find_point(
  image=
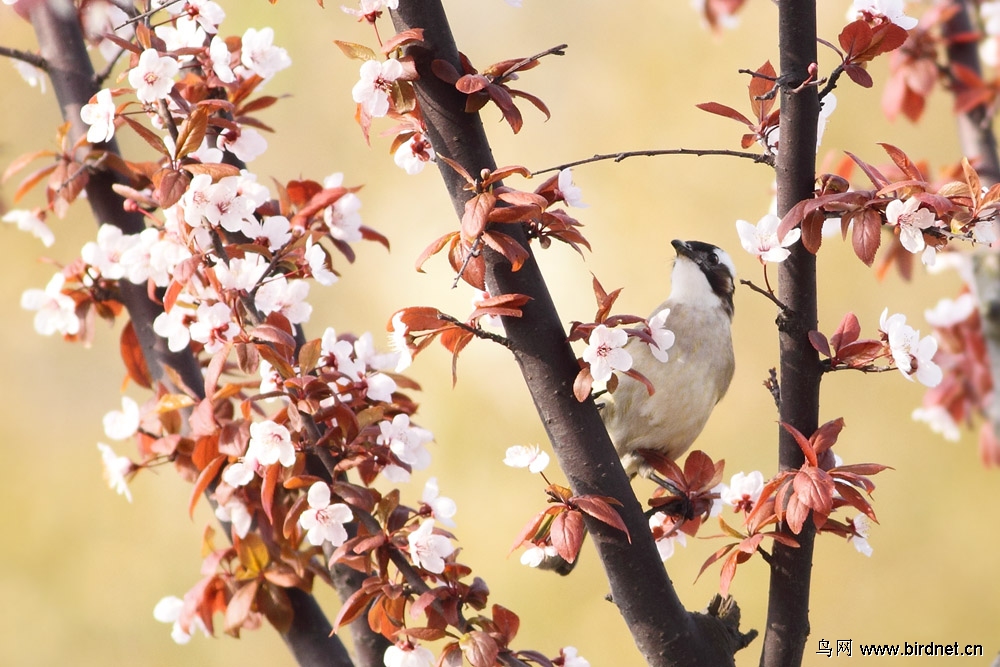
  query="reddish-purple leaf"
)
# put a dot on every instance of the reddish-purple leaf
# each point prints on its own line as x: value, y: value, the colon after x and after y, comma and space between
x: 867, y: 235
x: 725, y: 112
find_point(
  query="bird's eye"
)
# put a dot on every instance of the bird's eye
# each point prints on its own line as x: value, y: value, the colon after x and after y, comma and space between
x: 713, y: 259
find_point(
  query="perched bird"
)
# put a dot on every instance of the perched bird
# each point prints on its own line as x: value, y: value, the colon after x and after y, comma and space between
x: 698, y: 371
x: 695, y: 376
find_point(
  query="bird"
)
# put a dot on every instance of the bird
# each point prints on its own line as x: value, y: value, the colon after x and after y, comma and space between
x: 698, y: 370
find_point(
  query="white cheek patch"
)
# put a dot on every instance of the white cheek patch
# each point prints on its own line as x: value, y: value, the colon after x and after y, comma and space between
x: 726, y: 261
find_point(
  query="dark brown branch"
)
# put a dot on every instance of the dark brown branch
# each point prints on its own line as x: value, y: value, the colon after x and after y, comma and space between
x: 800, y: 371
x: 759, y: 158
x: 30, y: 58
x: 72, y: 75
x: 664, y: 632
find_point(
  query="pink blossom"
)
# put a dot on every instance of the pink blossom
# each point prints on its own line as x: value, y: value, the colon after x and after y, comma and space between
x: 604, y: 352
x: 153, y: 76
x: 323, y: 521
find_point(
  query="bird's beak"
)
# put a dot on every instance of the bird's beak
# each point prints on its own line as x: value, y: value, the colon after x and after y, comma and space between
x: 683, y: 249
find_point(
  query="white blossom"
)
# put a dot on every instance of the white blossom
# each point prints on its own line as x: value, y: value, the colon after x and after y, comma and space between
x: 524, y: 456
x: 29, y: 221
x: 323, y: 521
x: 762, y: 239
x: 100, y: 116
x: 259, y: 54
x: 56, y: 312
x: 604, y: 352
x: 429, y: 550
x: 663, y: 338
x: 571, y: 194
x: 116, y: 469
x: 911, y: 220
x: 153, y: 76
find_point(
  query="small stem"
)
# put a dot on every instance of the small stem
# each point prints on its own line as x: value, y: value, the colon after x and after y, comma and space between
x: 476, y: 331
x: 759, y: 158
x: 473, y: 252
x: 143, y: 15
x: 769, y: 293
x: 555, y: 50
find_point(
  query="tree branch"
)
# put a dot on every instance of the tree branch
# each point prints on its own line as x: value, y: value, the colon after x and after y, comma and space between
x: 759, y: 158
x: 72, y: 74
x: 800, y: 371
x: 30, y: 58
x: 664, y: 632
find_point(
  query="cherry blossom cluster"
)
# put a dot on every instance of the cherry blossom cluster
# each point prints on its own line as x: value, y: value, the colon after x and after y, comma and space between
x: 688, y: 495
x: 284, y: 435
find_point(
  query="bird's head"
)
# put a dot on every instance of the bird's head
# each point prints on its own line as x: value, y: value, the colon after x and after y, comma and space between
x: 703, y: 274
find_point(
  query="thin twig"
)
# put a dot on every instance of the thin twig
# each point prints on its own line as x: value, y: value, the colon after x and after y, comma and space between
x: 473, y: 252
x: 769, y: 294
x: 759, y: 158
x: 30, y: 58
x: 476, y: 331
x: 144, y: 15
x: 555, y: 51
x: 829, y: 368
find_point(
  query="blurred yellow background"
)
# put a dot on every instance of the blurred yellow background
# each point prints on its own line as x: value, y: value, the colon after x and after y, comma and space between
x: 81, y: 569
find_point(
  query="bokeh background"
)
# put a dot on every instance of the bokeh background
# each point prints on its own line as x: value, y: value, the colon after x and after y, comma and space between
x: 81, y: 569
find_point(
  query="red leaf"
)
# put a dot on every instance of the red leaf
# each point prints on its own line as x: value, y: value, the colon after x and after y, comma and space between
x: 760, y: 87
x: 803, y: 442
x: 860, y: 353
x: 819, y: 343
x: 867, y: 235
x: 582, y: 384
x: 134, y: 359
x: 826, y: 435
x: 148, y: 136
x: 477, y: 211
x: 352, y: 608
x: 905, y: 164
x: 725, y: 112
x: 599, y: 508
x: 700, y: 471
x: 567, y: 534
x: 267, y: 489
x: 515, y: 253
x: 480, y: 649
x: 847, y: 331
x: 814, y: 488
x: 204, y: 479
x: 871, y: 172
x: 240, y: 605
x: 855, y: 38
x: 508, y: 623
x: 402, y: 38
x: 859, y: 75
x: 434, y: 248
